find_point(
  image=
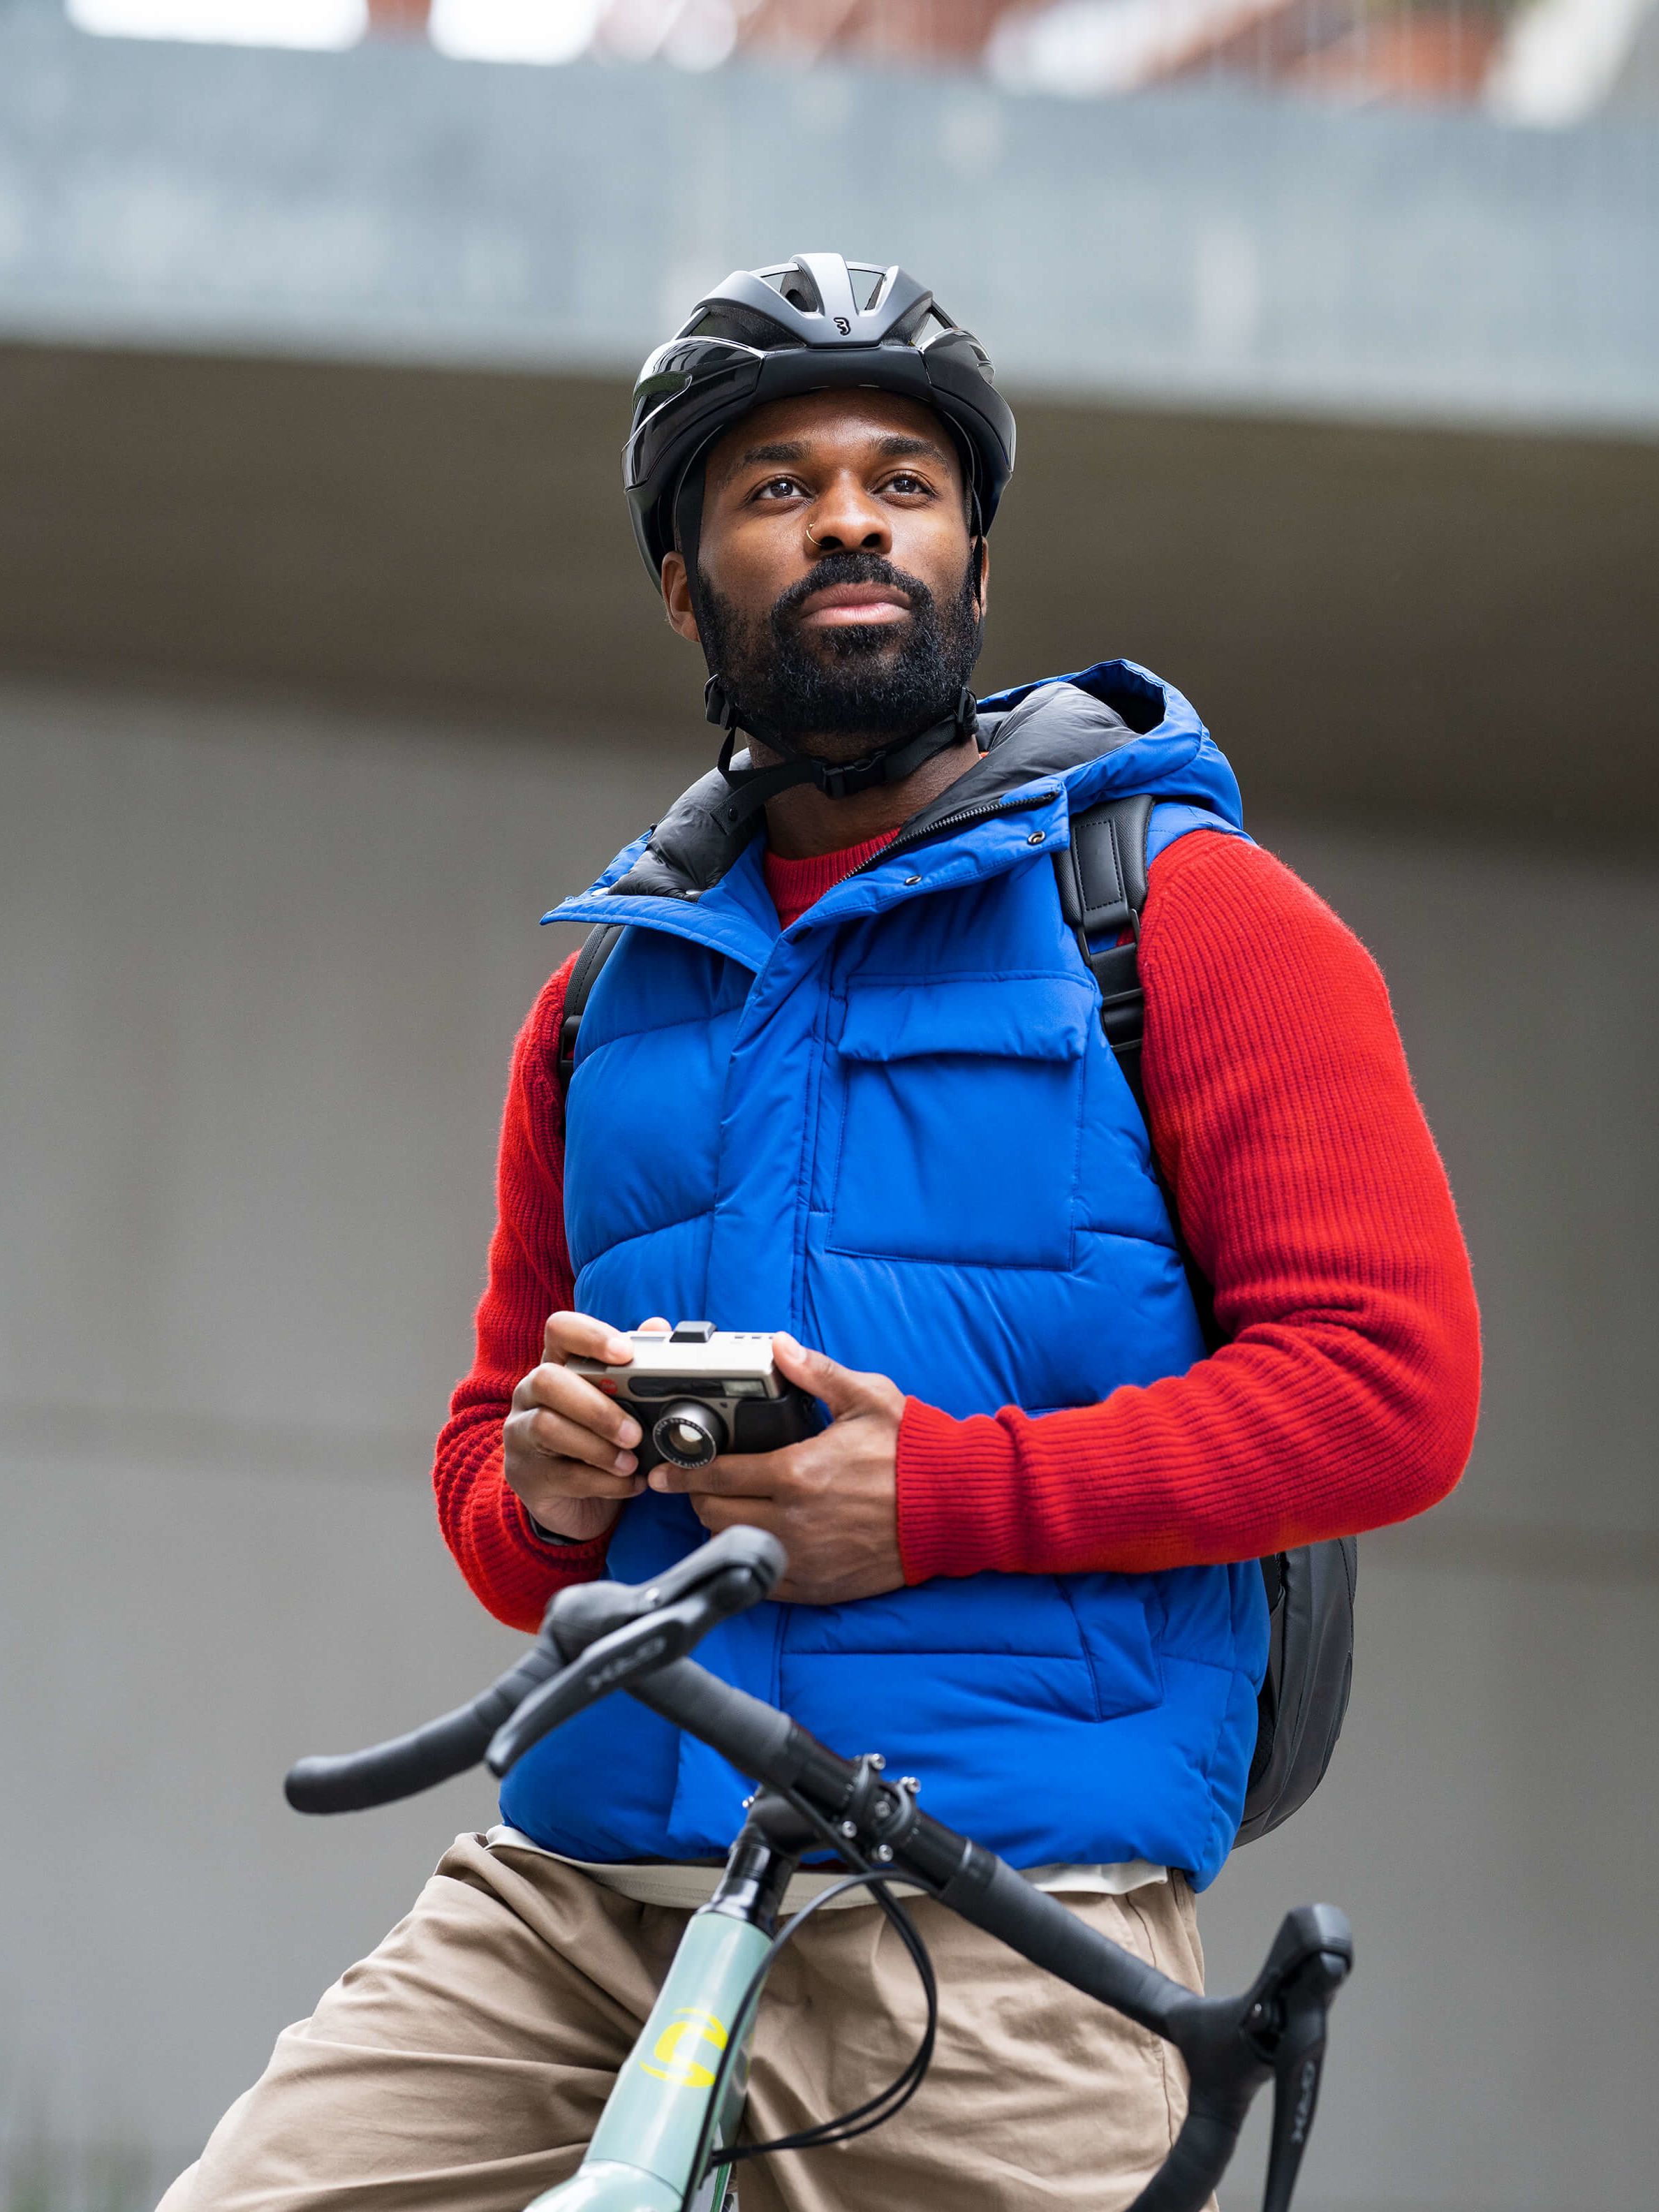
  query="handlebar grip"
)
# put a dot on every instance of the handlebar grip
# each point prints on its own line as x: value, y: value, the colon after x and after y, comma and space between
x: 733, y: 1570
x: 352, y: 1781
x: 1198, y: 2157
x: 988, y: 1891
x: 757, y: 1739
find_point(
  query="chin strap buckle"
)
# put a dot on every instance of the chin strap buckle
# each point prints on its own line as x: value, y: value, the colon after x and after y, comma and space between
x: 751, y: 787
x: 719, y: 705
x: 841, y: 779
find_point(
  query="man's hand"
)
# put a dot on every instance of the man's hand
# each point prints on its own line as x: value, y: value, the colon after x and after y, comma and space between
x: 567, y: 1448
x: 831, y: 1500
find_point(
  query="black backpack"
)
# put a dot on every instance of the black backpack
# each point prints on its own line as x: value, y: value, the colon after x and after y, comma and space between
x: 1102, y: 877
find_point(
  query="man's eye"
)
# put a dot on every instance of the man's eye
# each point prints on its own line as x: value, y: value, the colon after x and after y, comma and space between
x: 778, y: 487
x: 906, y: 482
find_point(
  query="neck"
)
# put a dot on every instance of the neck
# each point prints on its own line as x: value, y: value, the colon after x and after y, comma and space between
x: 804, y: 822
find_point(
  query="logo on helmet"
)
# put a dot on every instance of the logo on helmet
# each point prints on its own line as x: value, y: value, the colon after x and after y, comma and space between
x: 844, y: 326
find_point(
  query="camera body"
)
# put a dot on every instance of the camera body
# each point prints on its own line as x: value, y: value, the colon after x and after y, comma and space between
x: 697, y: 1391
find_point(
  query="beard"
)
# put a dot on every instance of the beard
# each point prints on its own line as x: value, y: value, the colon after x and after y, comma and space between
x: 852, y: 685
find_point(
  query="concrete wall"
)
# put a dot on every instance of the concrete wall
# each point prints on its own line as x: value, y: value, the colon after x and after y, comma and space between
x: 262, y: 972
x: 1202, y: 245
x: 1429, y: 624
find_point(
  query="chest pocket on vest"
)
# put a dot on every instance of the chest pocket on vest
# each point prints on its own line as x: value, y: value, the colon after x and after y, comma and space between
x: 961, y: 1113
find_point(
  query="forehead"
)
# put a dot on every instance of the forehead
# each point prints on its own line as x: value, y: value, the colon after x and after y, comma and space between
x: 831, y: 429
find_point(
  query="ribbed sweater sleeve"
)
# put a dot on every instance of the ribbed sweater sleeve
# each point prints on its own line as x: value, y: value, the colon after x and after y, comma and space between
x: 510, y: 1570
x: 1310, y: 1191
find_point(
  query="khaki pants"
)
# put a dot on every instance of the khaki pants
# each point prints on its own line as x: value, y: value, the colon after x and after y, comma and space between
x: 462, y: 2066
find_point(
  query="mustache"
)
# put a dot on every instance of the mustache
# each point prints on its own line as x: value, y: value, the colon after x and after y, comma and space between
x: 833, y: 569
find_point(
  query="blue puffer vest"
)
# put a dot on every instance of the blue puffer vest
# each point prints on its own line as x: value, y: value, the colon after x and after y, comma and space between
x: 895, y: 1129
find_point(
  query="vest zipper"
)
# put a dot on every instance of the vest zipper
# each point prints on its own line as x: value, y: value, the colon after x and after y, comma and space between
x: 953, y: 822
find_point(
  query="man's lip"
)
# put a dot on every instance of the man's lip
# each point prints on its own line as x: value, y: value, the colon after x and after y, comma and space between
x: 839, y: 603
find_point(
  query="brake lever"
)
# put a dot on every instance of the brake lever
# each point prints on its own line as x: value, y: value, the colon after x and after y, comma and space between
x: 622, y: 1657
x: 581, y: 1614
x: 1296, y: 2096
x: 670, y: 1616
x: 1286, y: 2018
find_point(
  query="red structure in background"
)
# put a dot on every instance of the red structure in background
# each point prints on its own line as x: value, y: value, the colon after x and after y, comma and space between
x: 1413, y: 54
x: 407, y: 17
x: 954, y: 31
x: 1350, y: 50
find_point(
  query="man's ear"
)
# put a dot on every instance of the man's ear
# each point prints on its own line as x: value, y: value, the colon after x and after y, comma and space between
x: 677, y: 596
x: 984, y: 551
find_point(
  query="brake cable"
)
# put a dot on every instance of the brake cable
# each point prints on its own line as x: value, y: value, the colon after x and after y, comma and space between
x: 876, y: 2110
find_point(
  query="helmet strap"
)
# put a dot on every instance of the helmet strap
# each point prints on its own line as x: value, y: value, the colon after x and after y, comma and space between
x: 687, y: 522
x: 751, y: 787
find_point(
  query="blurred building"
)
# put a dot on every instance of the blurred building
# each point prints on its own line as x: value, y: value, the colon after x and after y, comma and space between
x: 325, y: 664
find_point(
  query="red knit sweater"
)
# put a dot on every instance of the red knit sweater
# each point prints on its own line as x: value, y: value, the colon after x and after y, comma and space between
x: 1312, y: 1193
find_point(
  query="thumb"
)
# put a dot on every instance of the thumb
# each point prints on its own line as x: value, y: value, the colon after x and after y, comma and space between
x: 841, y: 1389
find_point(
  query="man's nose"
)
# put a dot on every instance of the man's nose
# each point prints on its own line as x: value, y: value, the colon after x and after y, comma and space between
x: 845, y: 518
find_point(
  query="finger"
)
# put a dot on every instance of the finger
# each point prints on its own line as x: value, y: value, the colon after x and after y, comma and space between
x: 577, y: 1400
x: 533, y: 1472
x: 556, y: 1437
x: 567, y: 1479
x: 586, y: 1338
x: 841, y: 1389
x: 735, y: 1474
x: 655, y: 1321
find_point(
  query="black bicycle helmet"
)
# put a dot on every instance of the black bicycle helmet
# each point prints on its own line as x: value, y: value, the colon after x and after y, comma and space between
x: 814, y: 323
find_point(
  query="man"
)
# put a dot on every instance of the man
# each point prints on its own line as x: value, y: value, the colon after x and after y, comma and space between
x: 843, y: 1076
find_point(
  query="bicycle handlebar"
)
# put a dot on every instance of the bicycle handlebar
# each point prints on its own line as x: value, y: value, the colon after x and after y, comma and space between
x: 600, y: 1636
x: 354, y: 1780
x: 1232, y: 2046
x: 594, y: 1639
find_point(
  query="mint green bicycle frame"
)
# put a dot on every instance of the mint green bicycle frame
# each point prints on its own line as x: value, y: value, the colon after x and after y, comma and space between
x: 639, y: 2159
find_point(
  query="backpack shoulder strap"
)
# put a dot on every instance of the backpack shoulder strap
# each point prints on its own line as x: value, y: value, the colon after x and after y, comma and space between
x: 597, y: 946
x: 1309, y: 1591
x: 1101, y: 876
x: 1103, y: 888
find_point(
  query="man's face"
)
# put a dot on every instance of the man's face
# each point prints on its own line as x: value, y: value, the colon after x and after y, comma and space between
x: 840, y: 595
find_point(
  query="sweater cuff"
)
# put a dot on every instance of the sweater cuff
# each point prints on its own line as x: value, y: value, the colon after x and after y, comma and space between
x: 958, y: 1485
x: 569, y: 1554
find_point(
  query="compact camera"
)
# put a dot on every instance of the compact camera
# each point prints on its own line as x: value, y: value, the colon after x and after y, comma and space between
x: 697, y: 1391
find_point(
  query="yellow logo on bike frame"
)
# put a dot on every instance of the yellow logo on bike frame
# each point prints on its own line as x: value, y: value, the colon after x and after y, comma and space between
x: 674, y: 2047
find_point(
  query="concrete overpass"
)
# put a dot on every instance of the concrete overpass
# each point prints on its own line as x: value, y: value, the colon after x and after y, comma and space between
x: 324, y: 664
x: 314, y: 373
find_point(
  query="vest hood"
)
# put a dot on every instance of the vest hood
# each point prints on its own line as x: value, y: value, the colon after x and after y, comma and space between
x: 1103, y: 732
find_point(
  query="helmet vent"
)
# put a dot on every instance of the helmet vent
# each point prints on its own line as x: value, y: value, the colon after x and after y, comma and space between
x: 800, y: 293
x: 744, y: 326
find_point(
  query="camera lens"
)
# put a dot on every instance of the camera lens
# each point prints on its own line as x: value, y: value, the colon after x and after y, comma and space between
x: 688, y: 1433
